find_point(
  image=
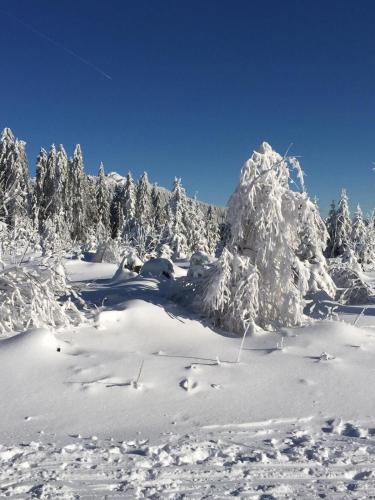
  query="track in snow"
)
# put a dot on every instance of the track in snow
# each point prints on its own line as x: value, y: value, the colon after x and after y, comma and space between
x: 265, y: 460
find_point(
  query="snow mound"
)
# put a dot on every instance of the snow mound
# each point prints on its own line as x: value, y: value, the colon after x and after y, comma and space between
x: 32, y: 343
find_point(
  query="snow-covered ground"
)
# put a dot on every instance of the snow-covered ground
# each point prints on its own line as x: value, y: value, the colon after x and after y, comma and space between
x: 147, y: 400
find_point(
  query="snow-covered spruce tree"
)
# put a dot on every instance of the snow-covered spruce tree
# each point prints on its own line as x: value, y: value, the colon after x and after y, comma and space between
x: 370, y: 229
x: 143, y: 208
x: 117, y: 211
x: 94, y: 232
x: 260, y: 271
x: 313, y: 237
x: 158, y: 212
x: 212, y: 231
x: 50, y: 186
x: 102, y: 200
x: 193, y: 219
x: 138, y: 231
x: 224, y: 237
x: 51, y: 191
x: 54, y: 235
x: 331, y: 224
x: 128, y: 204
x: 342, y: 235
x: 14, y: 182
x: 39, y: 202
x: 360, y: 237
x: 62, y: 169
x: 78, y: 191
x: 174, y: 234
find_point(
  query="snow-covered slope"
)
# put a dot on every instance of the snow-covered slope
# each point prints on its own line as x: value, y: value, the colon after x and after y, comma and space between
x: 149, y: 401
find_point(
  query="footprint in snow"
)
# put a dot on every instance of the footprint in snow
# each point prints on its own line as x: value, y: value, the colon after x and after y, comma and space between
x: 188, y: 384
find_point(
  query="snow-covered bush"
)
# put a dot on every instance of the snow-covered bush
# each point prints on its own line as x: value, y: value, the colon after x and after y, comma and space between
x: 157, y: 268
x: 30, y: 297
x: 351, y: 287
x: 108, y: 251
x: 275, y: 252
x: 129, y: 264
x: 231, y: 292
x: 164, y: 251
x: 199, y: 263
x: 131, y: 261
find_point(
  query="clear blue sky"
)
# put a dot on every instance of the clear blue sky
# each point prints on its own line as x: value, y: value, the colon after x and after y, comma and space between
x: 195, y: 86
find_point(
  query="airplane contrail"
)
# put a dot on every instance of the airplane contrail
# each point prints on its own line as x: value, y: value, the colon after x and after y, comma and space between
x: 58, y: 44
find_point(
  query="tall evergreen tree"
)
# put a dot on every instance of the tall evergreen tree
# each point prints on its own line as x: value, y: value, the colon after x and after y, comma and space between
x: 14, y: 182
x: 158, y: 212
x: 78, y: 191
x: 175, y: 229
x: 129, y: 203
x: 62, y: 171
x: 39, y: 203
x: 102, y: 200
x: 143, y: 202
x: 342, y: 240
x: 331, y: 224
x: 117, y: 211
x: 360, y: 236
x: 50, y: 186
x: 212, y: 231
x: 194, y: 224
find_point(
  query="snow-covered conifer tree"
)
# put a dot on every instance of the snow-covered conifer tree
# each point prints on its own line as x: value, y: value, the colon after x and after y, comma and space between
x: 78, y: 194
x: 102, y: 199
x: 143, y: 202
x: 331, y: 224
x: 158, y: 212
x: 117, y: 211
x: 175, y: 229
x: 50, y: 186
x: 360, y: 237
x: 313, y: 236
x: 264, y: 275
x: 41, y: 169
x: 342, y: 235
x: 129, y: 203
x: 194, y: 223
x: 14, y: 183
x: 62, y: 170
x: 212, y: 231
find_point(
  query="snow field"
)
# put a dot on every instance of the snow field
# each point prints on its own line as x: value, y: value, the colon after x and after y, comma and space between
x: 149, y: 402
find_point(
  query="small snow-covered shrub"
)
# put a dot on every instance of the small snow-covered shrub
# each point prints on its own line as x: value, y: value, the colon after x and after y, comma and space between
x: 131, y: 261
x: 129, y: 264
x: 358, y: 294
x: 29, y: 297
x: 200, y: 259
x: 157, y: 268
x: 199, y: 263
x: 230, y: 292
x: 107, y: 251
x: 164, y: 251
x: 343, y: 276
x: 351, y: 288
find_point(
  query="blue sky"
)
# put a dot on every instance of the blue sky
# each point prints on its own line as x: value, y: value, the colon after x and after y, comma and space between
x: 195, y: 86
